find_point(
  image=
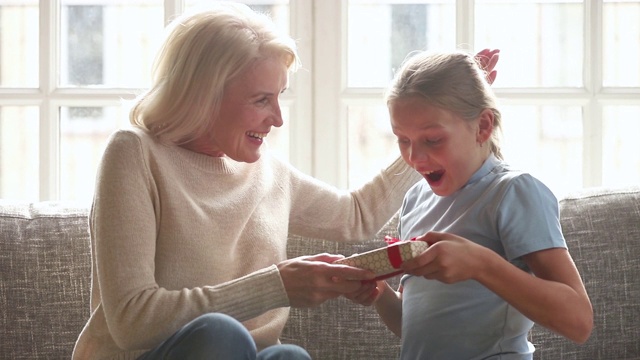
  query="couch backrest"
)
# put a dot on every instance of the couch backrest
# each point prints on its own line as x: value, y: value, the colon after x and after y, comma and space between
x: 602, y: 229
x: 45, y: 283
x: 44, y: 279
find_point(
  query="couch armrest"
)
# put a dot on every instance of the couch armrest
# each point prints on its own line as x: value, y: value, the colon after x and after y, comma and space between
x: 45, y: 270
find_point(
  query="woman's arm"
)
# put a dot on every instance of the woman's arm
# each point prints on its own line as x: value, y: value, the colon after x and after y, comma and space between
x: 320, y: 210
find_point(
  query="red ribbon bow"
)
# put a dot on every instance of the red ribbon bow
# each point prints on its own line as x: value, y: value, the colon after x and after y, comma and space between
x: 393, y: 252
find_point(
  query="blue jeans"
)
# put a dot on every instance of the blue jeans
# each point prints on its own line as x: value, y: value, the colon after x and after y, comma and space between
x: 219, y: 336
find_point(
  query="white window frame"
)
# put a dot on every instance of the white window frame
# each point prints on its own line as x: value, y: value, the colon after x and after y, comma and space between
x: 319, y: 95
x: 332, y: 99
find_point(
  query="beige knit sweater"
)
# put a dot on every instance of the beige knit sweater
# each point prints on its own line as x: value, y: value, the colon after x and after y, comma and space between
x: 176, y: 234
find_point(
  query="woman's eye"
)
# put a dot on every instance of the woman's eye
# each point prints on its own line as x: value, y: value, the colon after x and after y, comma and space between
x: 433, y: 141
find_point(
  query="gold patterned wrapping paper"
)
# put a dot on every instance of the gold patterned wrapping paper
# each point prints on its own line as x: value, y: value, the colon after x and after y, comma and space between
x: 385, y: 261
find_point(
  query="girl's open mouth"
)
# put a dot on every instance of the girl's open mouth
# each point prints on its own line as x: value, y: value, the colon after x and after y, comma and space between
x: 434, y: 176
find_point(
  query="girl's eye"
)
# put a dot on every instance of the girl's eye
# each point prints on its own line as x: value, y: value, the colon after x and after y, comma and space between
x: 432, y: 141
x: 403, y: 141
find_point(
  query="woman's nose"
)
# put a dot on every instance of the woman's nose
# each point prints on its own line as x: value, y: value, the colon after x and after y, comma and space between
x: 277, y: 117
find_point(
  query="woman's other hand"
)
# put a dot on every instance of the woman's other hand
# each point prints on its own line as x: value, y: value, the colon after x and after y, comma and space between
x: 488, y: 59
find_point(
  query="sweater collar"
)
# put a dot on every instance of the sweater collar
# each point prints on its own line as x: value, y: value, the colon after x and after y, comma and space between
x: 216, y: 165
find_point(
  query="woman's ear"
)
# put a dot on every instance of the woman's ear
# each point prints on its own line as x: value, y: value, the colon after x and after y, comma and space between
x: 485, y: 125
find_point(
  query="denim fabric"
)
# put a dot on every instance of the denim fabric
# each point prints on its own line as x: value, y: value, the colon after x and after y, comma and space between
x: 219, y: 336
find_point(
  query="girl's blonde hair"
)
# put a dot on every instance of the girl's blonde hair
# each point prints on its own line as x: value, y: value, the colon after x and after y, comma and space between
x: 201, y: 54
x: 452, y: 81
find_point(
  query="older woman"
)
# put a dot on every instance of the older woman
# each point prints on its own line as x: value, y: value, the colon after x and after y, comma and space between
x: 191, y: 212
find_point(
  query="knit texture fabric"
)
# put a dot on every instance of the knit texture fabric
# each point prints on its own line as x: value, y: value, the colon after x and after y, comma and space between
x: 176, y: 234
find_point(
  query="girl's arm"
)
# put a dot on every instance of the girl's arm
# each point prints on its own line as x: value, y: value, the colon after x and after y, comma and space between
x: 554, y: 298
x: 389, y: 307
x: 388, y: 302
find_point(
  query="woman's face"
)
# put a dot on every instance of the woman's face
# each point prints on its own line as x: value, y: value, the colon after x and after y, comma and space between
x: 250, y: 108
x: 443, y: 147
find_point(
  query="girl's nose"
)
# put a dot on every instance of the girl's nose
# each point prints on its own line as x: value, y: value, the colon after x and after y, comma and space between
x: 416, y: 155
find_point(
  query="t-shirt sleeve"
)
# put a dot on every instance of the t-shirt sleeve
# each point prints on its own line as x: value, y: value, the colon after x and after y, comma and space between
x: 528, y: 219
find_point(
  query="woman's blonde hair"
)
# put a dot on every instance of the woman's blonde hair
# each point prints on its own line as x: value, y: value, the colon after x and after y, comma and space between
x: 201, y: 54
x: 453, y: 81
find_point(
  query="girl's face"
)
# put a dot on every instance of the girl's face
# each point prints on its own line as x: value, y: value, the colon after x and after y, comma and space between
x: 250, y: 107
x: 446, y: 149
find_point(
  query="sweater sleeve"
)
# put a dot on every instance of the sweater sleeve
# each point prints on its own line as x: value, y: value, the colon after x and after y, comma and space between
x: 323, y: 211
x: 124, y: 223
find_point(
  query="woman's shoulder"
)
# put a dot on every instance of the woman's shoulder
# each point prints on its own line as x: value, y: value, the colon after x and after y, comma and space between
x: 131, y: 138
x: 131, y: 133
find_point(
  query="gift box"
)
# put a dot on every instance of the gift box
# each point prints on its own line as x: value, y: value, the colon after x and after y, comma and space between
x: 386, y: 261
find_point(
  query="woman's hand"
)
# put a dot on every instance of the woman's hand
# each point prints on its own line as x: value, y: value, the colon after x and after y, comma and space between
x: 312, y: 280
x: 488, y: 59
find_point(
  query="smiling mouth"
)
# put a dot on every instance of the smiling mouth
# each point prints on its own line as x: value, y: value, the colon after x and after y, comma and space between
x: 256, y: 135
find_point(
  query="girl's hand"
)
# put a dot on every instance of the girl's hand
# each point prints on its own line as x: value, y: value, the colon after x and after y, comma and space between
x: 449, y: 259
x: 368, y: 294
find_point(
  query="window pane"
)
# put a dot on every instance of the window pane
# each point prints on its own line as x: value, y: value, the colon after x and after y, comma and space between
x: 621, y: 53
x: 381, y: 35
x: 545, y: 141
x: 278, y: 10
x: 109, y: 42
x: 19, y: 152
x: 84, y: 132
x: 19, y: 27
x: 372, y: 146
x: 541, y: 41
x: 621, y: 148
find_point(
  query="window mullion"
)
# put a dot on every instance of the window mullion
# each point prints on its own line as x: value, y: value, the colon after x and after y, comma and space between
x: 465, y: 23
x: 330, y: 158
x: 49, y: 170
x: 592, y: 121
x: 172, y: 8
x: 300, y: 125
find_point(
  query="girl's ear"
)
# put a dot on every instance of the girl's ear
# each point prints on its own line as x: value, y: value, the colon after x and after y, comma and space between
x: 485, y: 126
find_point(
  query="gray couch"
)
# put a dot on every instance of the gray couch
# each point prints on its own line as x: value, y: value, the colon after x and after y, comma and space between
x: 45, y: 267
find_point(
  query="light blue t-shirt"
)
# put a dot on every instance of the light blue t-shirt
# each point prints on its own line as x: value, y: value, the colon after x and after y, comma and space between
x: 507, y: 211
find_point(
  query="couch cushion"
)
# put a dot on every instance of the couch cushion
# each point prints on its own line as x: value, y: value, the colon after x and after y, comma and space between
x: 602, y: 228
x: 45, y: 274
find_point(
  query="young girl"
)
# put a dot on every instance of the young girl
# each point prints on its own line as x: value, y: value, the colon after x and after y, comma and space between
x: 498, y: 261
